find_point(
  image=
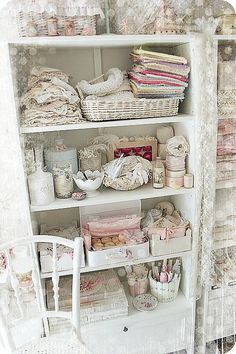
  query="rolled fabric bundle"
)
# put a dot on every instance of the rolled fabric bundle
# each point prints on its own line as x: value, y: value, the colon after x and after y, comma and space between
x: 113, y: 80
x: 162, y: 151
x: 164, y: 133
x: 177, y: 146
x: 175, y: 163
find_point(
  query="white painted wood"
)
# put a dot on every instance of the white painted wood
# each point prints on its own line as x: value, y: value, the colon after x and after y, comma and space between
x: 114, y: 51
x: 14, y: 216
x: 225, y: 37
x: 112, y: 40
x: 97, y: 62
x: 76, y: 245
x: 168, y: 326
x: 77, y: 257
x: 118, y: 265
x: 55, y: 277
x: 111, y: 196
x: 14, y: 283
x: 118, y: 123
x: 225, y: 184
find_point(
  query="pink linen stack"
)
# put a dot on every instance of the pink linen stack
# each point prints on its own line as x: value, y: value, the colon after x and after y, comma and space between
x: 226, y: 150
x: 158, y: 75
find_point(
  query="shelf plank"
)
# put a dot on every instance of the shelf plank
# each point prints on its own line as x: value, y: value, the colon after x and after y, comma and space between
x: 110, y: 196
x: 104, y: 40
x: 225, y: 37
x: 109, y: 124
x: 142, y: 329
x: 226, y: 184
x: 223, y: 244
x: 88, y: 269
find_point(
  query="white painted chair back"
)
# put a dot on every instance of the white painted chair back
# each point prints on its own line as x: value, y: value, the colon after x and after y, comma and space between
x: 31, y: 243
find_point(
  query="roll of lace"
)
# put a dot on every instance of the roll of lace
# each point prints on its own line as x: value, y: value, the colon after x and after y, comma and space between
x: 177, y: 146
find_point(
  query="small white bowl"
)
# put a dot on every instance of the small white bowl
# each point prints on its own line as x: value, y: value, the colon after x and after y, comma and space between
x: 91, y: 184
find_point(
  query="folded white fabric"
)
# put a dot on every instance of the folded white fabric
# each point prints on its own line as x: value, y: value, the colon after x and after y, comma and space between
x: 113, y: 80
x: 119, y: 96
x: 162, y: 151
x: 164, y: 133
x: 49, y: 99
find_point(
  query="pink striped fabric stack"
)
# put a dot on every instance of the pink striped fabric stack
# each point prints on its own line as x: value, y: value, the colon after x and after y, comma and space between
x: 158, y: 75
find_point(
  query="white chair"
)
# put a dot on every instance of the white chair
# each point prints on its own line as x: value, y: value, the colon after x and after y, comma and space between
x: 47, y: 344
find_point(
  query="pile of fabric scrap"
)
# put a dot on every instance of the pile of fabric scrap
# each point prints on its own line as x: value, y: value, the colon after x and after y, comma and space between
x: 49, y: 99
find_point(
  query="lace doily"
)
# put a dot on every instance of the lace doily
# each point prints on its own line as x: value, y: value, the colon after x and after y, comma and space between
x: 57, y: 7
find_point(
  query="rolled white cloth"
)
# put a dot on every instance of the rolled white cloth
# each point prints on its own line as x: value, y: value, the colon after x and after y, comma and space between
x: 113, y: 80
x: 162, y: 151
x: 164, y: 133
x: 177, y: 146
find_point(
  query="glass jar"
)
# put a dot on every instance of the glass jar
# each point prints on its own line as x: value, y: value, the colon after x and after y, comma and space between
x: 63, y: 181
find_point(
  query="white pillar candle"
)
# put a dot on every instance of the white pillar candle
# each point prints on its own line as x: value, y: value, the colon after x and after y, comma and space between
x: 188, y: 180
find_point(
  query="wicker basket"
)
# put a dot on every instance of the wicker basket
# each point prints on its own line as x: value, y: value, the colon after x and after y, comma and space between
x: 164, y: 292
x: 97, y: 110
x: 40, y: 21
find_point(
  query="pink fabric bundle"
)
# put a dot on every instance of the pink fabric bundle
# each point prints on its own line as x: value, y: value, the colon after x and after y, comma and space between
x: 226, y: 150
x: 227, y: 126
x: 108, y: 226
x: 226, y: 144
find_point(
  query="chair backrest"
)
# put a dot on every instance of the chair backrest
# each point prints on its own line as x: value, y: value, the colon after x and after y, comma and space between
x: 6, y: 251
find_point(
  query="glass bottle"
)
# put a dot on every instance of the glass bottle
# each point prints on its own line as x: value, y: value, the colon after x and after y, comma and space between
x: 22, y: 266
x: 158, y: 174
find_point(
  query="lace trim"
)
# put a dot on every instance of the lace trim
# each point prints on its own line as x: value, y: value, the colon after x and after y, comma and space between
x: 57, y: 7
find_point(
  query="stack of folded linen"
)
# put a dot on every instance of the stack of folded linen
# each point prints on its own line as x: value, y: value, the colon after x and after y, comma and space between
x: 226, y: 151
x: 49, y: 99
x: 101, y: 296
x: 158, y: 75
x: 225, y: 217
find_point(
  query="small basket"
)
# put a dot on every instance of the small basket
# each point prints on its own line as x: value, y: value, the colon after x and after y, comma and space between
x: 97, y: 110
x: 40, y: 21
x: 164, y: 292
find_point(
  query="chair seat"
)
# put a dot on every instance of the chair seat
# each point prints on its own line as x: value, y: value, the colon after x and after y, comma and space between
x: 52, y: 346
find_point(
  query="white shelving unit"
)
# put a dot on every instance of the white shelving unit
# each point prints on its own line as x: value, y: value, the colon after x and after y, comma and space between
x: 85, y: 58
x: 221, y: 302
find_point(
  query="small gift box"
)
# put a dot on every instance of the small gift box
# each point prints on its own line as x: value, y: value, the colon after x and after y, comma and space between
x: 143, y: 147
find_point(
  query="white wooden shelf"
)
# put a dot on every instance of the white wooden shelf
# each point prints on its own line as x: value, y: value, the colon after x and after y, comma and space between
x: 223, y: 244
x: 226, y: 184
x: 225, y: 37
x: 146, y: 331
x: 110, y: 196
x: 105, y: 40
x: 88, y: 269
x: 180, y: 118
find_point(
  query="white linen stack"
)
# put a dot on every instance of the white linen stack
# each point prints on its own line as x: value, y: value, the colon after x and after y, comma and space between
x: 49, y: 99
